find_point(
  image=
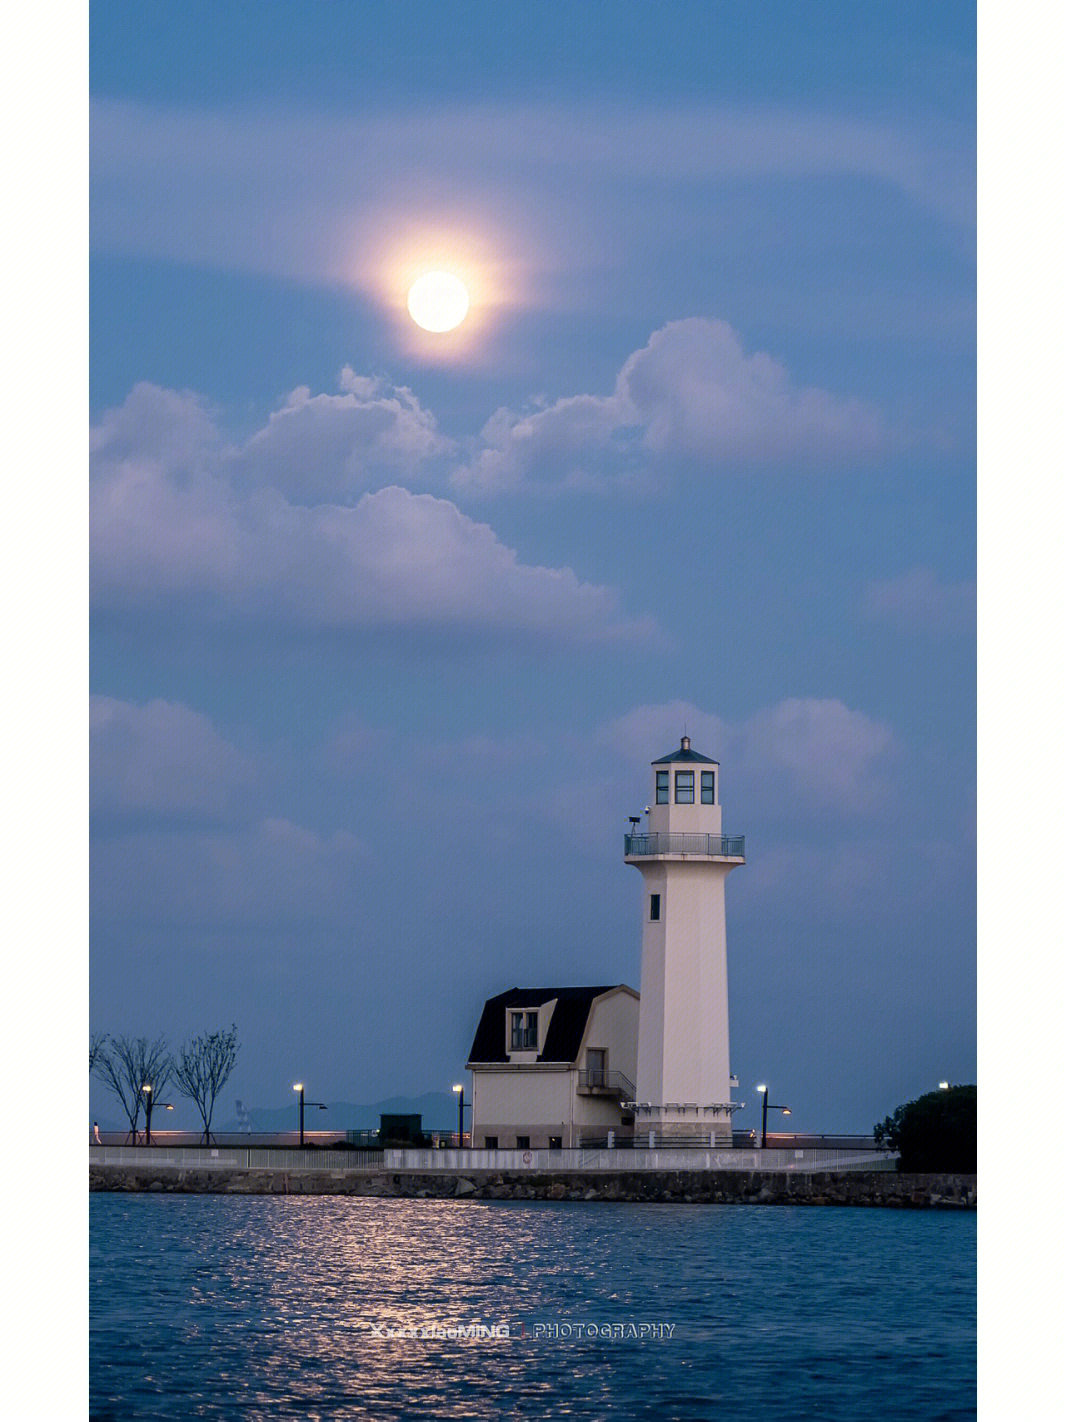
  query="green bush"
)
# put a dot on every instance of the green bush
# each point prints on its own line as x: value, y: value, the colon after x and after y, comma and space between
x: 936, y: 1133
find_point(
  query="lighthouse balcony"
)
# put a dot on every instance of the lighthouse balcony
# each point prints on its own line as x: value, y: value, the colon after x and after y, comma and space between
x: 596, y: 1082
x: 728, y: 847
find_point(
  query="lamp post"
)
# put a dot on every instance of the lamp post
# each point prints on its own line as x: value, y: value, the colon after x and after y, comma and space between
x: 298, y: 1087
x: 149, y: 1097
x: 768, y: 1105
x: 460, y: 1091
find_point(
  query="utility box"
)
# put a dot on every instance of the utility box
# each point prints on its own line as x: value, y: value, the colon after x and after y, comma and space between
x: 397, y: 1130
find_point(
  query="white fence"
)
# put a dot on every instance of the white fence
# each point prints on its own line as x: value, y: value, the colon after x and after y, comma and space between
x: 447, y: 1162
x: 234, y: 1158
x: 620, y: 1158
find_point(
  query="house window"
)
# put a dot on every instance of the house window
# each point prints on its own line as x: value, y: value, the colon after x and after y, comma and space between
x: 685, y: 787
x: 706, y: 787
x: 523, y: 1031
x: 492, y: 1142
x: 555, y: 1142
x: 662, y: 787
x: 654, y: 908
x: 521, y: 1142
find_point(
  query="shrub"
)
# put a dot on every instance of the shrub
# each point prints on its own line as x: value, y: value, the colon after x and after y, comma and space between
x: 936, y: 1133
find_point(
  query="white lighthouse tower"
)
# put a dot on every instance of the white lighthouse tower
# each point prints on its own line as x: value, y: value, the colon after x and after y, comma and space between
x: 683, y: 1076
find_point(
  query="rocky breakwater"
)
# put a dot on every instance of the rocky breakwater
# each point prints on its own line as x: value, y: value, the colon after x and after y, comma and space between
x: 875, y: 1188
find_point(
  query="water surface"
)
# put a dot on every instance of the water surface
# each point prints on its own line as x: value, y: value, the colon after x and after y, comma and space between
x: 274, y: 1307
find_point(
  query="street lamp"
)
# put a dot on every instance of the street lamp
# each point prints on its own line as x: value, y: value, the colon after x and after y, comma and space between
x: 149, y: 1097
x: 298, y: 1087
x: 768, y: 1105
x: 460, y: 1091
x: 945, y: 1086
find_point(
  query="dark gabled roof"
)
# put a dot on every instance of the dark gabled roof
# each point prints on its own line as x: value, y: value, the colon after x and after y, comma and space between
x: 565, y: 1030
x: 684, y: 754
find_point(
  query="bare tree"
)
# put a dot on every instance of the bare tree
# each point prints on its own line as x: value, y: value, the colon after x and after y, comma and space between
x: 202, y: 1069
x: 97, y: 1044
x: 126, y: 1065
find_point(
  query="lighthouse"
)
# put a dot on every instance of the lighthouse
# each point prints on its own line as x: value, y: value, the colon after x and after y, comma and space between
x: 683, y: 1075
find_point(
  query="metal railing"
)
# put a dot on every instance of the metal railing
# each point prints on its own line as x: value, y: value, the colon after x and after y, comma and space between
x: 717, y: 846
x: 274, y: 1140
x: 792, y: 1140
x: 596, y: 1079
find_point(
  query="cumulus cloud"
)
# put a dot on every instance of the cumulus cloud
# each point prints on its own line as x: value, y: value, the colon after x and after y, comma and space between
x: 692, y: 394
x: 327, y: 448
x: 172, y: 527
x: 918, y: 600
x: 162, y: 761
x: 820, y: 750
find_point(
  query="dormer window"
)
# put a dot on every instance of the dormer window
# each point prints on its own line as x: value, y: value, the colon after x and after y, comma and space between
x: 706, y: 787
x: 523, y: 1031
x: 685, y: 787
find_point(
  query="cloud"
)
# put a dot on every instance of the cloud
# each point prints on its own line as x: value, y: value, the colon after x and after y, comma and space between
x: 162, y: 762
x: 820, y: 751
x: 691, y: 394
x: 308, y: 196
x: 917, y: 600
x: 271, y: 873
x: 327, y: 448
x: 173, y: 528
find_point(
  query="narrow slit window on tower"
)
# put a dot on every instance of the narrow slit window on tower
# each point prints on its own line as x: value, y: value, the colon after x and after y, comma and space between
x: 662, y: 787
x: 654, y: 909
x: 706, y: 787
x: 685, y: 787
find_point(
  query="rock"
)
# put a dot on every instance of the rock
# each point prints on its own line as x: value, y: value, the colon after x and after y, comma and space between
x: 464, y: 1186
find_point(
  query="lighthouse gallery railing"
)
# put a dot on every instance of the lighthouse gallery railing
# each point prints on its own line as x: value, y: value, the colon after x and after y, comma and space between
x: 723, y: 846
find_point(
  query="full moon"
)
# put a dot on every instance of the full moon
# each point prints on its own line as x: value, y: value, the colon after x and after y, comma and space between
x: 438, y: 301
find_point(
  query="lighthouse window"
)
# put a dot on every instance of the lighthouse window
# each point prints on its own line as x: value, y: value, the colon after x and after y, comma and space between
x: 662, y: 787
x: 653, y: 912
x: 706, y: 787
x: 685, y: 787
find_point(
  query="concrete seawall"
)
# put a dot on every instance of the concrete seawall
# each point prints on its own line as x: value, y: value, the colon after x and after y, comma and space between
x: 875, y: 1188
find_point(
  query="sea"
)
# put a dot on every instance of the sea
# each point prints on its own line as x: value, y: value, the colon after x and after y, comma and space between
x: 212, y: 1306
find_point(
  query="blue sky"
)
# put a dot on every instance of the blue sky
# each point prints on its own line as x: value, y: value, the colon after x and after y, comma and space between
x: 386, y: 631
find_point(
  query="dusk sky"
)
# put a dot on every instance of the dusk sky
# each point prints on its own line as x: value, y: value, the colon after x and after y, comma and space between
x: 388, y: 626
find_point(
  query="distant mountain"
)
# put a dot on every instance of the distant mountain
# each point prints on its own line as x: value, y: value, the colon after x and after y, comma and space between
x: 437, y: 1108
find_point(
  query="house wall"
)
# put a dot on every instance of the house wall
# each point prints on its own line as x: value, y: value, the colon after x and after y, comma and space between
x: 539, y: 1103
x: 612, y: 1026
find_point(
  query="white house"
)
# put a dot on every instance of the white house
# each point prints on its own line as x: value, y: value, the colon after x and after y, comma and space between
x: 551, y: 1066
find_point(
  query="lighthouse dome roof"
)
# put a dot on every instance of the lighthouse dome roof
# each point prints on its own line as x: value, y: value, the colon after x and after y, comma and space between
x: 684, y: 753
